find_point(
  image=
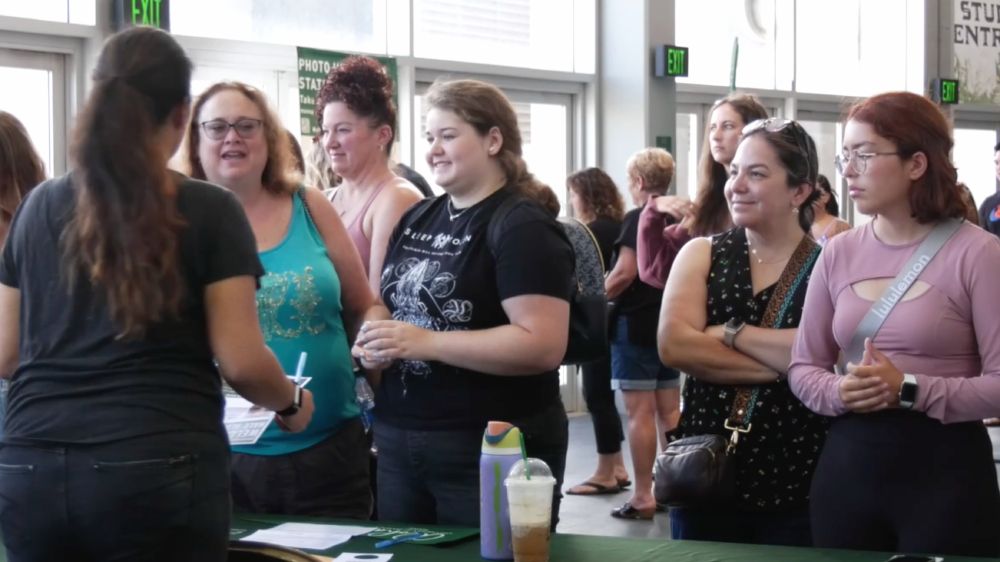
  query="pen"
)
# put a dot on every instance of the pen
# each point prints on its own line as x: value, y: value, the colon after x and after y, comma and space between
x: 300, y: 368
x: 399, y: 539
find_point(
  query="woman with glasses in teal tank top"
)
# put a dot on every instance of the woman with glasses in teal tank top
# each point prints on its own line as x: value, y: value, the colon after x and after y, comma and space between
x: 310, y: 300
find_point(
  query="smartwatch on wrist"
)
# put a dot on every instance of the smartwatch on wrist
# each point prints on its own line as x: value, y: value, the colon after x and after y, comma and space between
x: 908, y: 392
x: 296, y: 404
x: 730, y: 330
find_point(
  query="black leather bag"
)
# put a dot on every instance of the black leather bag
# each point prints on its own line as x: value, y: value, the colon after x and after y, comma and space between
x: 694, y: 470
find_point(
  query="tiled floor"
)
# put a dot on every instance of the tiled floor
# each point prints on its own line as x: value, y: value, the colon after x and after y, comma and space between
x: 591, y: 515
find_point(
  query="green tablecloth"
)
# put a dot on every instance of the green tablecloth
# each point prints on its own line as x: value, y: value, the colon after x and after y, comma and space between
x: 587, y: 548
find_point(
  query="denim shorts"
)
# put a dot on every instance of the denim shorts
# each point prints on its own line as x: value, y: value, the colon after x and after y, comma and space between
x: 637, y: 367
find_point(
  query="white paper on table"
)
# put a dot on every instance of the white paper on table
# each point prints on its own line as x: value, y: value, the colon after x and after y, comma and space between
x: 313, y: 536
x: 245, y: 422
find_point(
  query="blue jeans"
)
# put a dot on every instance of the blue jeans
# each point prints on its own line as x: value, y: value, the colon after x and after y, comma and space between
x: 730, y: 524
x: 433, y: 476
x: 162, y: 497
x: 638, y: 367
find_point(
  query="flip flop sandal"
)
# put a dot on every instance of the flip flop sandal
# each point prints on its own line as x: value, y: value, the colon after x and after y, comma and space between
x: 596, y: 488
x: 626, y: 511
x: 624, y: 483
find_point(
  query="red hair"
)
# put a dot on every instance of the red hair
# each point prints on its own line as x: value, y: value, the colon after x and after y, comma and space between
x: 915, y: 125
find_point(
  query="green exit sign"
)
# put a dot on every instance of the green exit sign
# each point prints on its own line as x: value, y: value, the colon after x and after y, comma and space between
x: 671, y: 60
x: 944, y: 90
x: 130, y: 13
x: 677, y: 61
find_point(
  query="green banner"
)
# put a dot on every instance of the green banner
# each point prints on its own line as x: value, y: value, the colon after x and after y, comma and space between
x: 314, y: 65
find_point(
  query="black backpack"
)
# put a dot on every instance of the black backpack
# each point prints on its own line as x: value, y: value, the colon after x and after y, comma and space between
x: 588, y: 306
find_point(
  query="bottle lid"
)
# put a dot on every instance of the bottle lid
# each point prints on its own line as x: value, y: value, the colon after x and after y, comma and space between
x: 534, y: 470
x: 501, y: 438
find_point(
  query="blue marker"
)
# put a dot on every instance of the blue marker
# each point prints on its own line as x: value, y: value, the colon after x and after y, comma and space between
x: 399, y: 539
x: 300, y: 368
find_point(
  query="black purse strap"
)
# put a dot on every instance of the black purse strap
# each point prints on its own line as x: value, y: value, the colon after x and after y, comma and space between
x: 791, y: 278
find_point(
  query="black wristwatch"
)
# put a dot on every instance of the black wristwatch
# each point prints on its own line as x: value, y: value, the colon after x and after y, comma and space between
x: 296, y: 404
x: 908, y: 392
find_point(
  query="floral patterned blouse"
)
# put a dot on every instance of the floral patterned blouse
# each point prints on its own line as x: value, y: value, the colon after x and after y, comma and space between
x: 775, y: 461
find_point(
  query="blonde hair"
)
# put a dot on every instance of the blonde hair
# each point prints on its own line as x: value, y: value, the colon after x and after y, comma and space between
x: 655, y: 166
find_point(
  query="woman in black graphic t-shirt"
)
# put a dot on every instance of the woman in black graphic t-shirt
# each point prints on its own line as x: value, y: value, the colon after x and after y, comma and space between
x: 472, y: 329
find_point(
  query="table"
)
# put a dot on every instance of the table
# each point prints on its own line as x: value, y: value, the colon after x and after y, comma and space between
x: 588, y: 548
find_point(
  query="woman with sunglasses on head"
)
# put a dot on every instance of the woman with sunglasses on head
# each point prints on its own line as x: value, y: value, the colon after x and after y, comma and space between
x: 358, y: 120
x: 668, y: 222
x: 908, y: 465
x: 311, y: 300
x: 729, y: 316
x: 123, y: 281
x: 827, y: 223
x: 476, y: 315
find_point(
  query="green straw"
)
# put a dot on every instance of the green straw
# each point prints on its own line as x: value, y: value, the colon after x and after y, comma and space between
x: 524, y: 455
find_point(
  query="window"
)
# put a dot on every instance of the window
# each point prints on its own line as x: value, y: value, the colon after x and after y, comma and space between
x: 550, y: 35
x: 38, y: 102
x: 82, y: 12
x: 349, y: 25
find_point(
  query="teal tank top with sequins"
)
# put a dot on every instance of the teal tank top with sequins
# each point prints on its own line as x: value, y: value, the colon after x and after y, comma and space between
x: 300, y: 310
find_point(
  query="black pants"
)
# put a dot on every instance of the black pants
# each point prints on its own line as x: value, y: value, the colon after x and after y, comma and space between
x: 432, y: 476
x: 163, y: 498
x: 329, y: 479
x: 902, y: 482
x: 600, y: 399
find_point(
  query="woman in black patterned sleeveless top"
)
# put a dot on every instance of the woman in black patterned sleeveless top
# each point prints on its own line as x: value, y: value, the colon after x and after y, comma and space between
x: 718, y: 324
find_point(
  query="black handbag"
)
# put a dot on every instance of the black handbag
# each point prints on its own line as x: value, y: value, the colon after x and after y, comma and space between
x: 694, y: 469
x: 699, y: 470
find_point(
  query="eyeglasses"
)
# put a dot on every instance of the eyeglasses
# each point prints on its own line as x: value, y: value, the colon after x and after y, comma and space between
x: 217, y: 129
x: 799, y: 135
x: 859, y: 159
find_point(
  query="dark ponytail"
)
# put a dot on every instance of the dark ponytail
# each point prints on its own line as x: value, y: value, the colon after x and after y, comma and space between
x: 123, y: 235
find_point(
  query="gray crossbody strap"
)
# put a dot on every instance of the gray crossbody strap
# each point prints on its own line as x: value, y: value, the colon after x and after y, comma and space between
x: 870, y: 324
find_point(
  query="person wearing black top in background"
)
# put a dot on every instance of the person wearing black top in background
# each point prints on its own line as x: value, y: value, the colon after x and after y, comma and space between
x: 123, y: 281
x: 596, y: 202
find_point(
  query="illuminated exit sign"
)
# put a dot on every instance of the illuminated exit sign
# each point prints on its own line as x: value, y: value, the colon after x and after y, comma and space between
x: 671, y: 60
x: 131, y: 13
x: 945, y: 91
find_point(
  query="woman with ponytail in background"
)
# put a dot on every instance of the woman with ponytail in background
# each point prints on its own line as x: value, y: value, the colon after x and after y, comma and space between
x: 474, y: 326
x: 123, y: 282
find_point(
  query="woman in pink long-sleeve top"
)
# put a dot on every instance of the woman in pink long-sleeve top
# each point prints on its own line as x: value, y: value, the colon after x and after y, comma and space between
x: 907, y: 465
x: 660, y: 236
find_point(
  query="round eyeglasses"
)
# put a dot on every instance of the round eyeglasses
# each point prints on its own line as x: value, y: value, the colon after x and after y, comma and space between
x: 860, y: 160
x: 217, y: 129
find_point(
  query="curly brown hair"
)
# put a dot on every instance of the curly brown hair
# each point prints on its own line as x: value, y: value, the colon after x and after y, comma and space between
x: 598, y: 192
x: 362, y: 84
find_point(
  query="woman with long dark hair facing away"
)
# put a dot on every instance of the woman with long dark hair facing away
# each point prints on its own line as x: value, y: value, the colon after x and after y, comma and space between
x: 597, y: 202
x: 910, y: 299
x: 310, y: 301
x: 729, y: 317
x: 125, y: 284
x: 474, y: 325
x: 661, y: 236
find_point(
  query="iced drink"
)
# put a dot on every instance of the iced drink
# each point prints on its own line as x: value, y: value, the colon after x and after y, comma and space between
x: 530, y: 503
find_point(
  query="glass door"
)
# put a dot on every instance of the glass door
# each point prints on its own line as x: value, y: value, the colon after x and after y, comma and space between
x: 36, y: 95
